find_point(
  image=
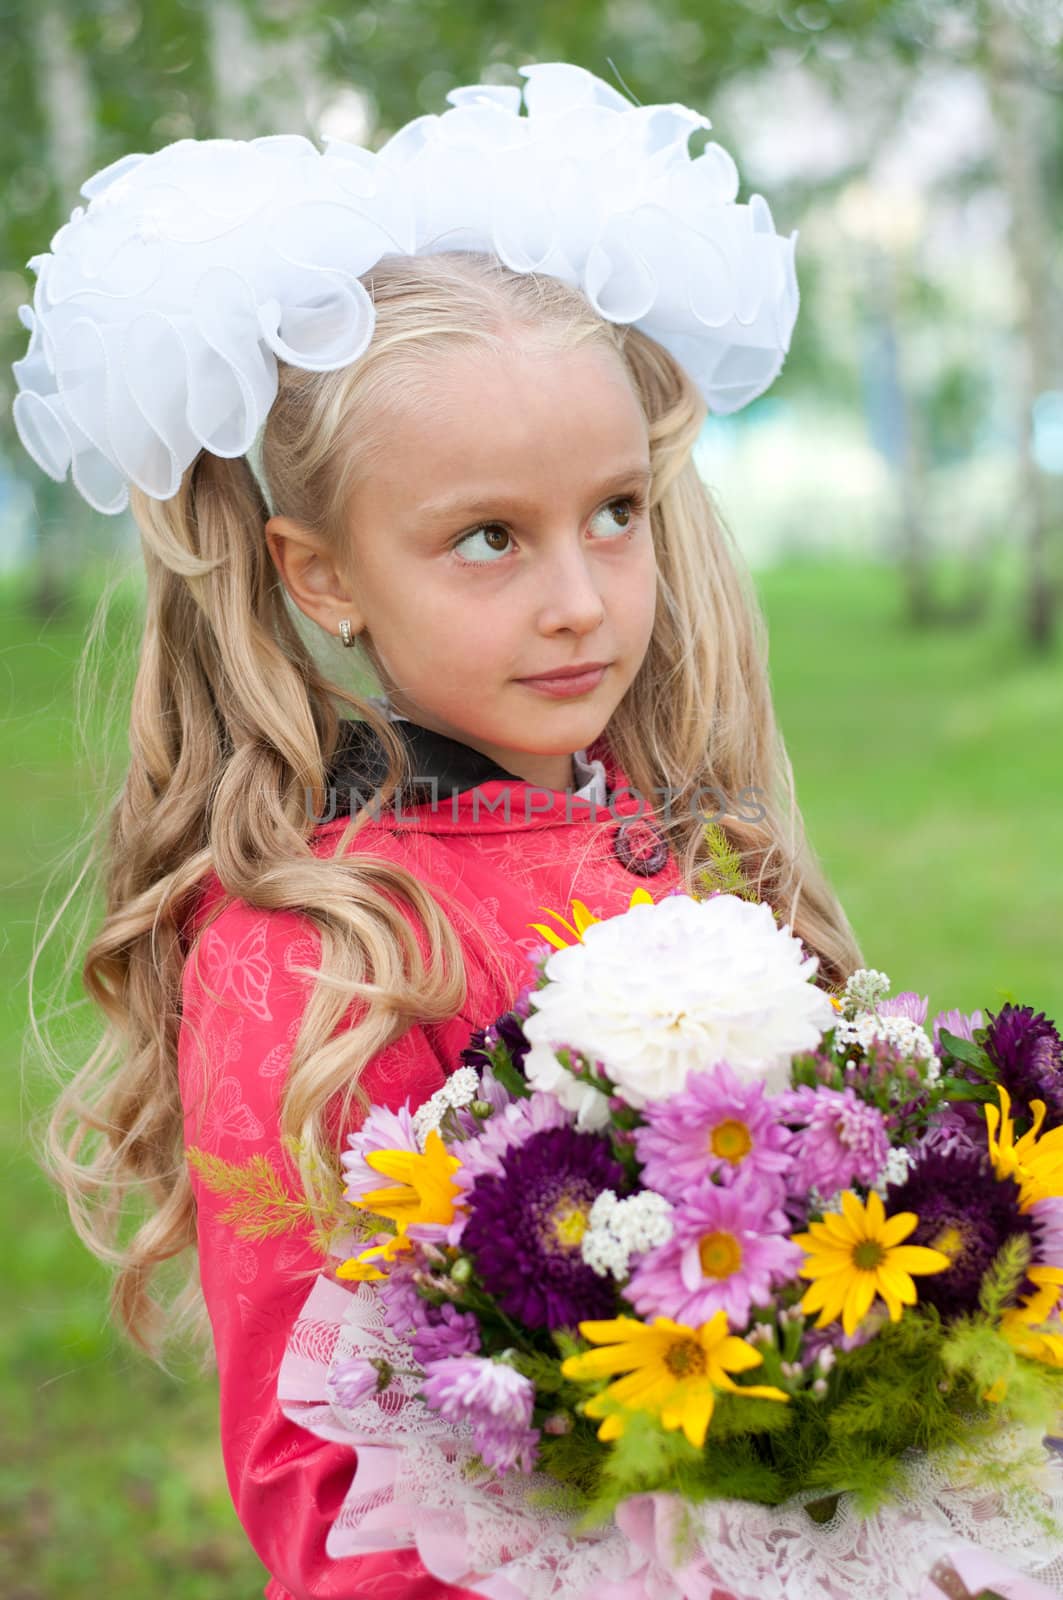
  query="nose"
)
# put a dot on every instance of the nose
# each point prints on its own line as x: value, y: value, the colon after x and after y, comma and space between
x: 572, y: 599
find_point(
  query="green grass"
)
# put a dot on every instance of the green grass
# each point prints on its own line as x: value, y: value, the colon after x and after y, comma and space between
x: 110, y: 1475
x: 928, y: 769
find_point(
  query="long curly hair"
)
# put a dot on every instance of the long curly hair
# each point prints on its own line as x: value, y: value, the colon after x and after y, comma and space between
x: 236, y: 714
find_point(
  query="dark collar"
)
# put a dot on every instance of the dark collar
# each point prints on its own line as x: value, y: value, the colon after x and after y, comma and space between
x: 360, y: 763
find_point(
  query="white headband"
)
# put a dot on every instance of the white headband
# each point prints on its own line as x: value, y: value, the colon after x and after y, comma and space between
x: 159, y: 315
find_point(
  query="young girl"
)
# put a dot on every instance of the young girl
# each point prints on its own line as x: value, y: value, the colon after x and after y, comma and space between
x: 320, y: 882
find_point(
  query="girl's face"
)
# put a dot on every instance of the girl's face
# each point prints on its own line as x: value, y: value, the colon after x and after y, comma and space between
x: 503, y: 533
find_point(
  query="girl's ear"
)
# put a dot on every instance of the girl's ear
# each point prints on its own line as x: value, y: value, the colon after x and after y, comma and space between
x: 309, y: 572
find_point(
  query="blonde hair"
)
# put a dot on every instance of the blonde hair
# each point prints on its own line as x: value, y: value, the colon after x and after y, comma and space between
x: 234, y: 719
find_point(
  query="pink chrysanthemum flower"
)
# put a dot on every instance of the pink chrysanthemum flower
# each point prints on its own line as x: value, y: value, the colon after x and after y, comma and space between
x: 494, y: 1399
x: 907, y: 1004
x: 353, y: 1381
x: 843, y: 1140
x: 381, y: 1130
x: 727, y: 1253
x: 717, y: 1126
x: 957, y: 1022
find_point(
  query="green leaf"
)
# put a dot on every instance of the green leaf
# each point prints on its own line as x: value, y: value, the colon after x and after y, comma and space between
x: 509, y: 1077
x: 957, y: 1089
x: 970, y: 1054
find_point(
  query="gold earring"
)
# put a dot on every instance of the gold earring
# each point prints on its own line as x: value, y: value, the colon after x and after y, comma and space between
x: 345, y: 632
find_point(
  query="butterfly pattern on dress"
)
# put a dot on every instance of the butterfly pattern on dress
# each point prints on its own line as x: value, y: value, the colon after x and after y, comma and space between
x: 229, y: 1114
x: 238, y: 1257
x: 302, y: 952
x: 275, y: 1062
x: 240, y: 968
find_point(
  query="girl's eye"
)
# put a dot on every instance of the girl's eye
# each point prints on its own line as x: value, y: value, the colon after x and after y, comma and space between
x: 494, y: 537
x: 490, y: 531
x: 629, y: 513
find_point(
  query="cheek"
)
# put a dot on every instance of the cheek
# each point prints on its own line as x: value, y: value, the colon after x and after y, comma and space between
x: 443, y: 639
x: 638, y: 601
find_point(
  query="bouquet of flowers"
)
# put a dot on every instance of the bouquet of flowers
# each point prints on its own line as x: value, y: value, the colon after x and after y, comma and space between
x: 696, y: 1279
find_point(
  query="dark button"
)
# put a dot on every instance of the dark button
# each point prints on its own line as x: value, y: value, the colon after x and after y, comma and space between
x: 640, y: 848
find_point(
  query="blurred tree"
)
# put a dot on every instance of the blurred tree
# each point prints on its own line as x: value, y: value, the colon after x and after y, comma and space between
x: 1020, y: 119
x: 85, y: 81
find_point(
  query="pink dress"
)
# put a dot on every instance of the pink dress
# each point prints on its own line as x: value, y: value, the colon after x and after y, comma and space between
x: 240, y: 1011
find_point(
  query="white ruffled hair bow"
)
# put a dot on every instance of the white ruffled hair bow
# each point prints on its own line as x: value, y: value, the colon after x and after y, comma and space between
x: 159, y: 314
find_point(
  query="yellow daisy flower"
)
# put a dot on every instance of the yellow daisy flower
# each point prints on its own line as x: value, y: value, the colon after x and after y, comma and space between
x: 1034, y: 1162
x: 424, y: 1192
x: 581, y: 920
x: 854, y: 1256
x: 673, y: 1372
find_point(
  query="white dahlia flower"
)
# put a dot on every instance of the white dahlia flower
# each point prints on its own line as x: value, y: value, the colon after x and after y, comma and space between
x: 673, y: 987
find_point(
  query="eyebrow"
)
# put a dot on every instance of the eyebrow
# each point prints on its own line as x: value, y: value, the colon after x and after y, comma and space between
x: 457, y: 506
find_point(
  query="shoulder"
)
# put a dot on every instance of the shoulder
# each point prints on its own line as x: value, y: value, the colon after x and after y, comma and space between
x: 213, y: 909
x: 250, y: 955
x: 245, y: 965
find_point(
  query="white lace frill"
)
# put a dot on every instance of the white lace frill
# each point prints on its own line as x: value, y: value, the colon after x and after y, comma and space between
x: 161, y: 310
x: 414, y: 1486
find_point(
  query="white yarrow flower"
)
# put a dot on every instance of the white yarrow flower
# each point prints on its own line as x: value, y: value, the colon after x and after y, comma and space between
x: 619, y: 1229
x: 907, y: 1036
x: 460, y: 1089
x: 898, y: 1165
x: 866, y: 987
x: 670, y: 988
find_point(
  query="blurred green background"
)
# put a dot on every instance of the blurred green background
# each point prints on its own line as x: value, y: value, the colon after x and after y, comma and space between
x: 897, y: 493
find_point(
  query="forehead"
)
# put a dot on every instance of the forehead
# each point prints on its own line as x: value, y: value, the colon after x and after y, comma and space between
x: 487, y: 417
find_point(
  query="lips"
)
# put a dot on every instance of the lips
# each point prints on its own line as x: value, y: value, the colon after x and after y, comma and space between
x: 561, y: 673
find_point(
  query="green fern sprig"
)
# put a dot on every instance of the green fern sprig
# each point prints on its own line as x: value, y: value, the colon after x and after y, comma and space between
x: 261, y: 1207
x: 724, y: 868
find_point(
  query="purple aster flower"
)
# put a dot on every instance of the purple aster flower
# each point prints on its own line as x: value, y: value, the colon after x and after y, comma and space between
x: 906, y: 1004
x: 716, y: 1127
x: 494, y: 1399
x: 967, y: 1213
x: 1048, y: 1231
x: 956, y: 1022
x: 505, y: 1131
x: 727, y: 1252
x: 475, y: 1052
x: 449, y: 1332
x: 508, y: 1128
x: 381, y: 1130
x: 433, y: 1331
x: 525, y: 1225
x: 1028, y: 1053
x: 403, y: 1307
x: 958, y: 1127
x: 506, y: 1030
x: 353, y: 1381
x: 843, y: 1140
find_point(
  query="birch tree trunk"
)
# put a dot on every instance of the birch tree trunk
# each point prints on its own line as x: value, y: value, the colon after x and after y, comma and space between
x: 1018, y: 111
